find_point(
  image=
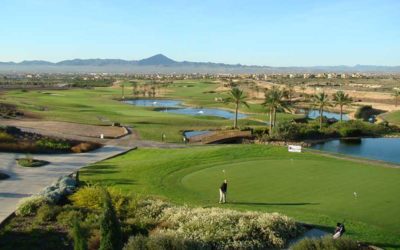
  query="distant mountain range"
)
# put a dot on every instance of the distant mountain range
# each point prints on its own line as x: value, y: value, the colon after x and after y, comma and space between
x: 162, y: 64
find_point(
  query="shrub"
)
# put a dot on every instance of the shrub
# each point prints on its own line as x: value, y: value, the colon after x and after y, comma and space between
x: 84, y: 147
x: 67, y: 217
x: 12, y: 130
x: 223, y: 228
x: 285, y: 130
x: 365, y: 112
x: 94, y: 240
x: 60, y: 188
x: 29, y: 206
x: 326, y: 243
x: 78, y: 235
x: 53, y: 144
x: 91, y: 197
x: 110, y: 230
x: 141, y: 242
x: 4, y: 137
x: 47, y: 213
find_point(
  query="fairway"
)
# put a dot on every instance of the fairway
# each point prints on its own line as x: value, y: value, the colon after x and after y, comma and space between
x: 101, y: 106
x: 309, y: 187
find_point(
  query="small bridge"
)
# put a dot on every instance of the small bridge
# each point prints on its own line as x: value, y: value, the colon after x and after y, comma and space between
x: 224, y: 136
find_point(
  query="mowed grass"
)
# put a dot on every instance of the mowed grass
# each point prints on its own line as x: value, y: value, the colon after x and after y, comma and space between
x: 309, y: 187
x: 393, y: 117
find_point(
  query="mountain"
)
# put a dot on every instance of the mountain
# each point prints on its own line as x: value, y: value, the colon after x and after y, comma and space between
x: 162, y: 64
x: 158, y: 59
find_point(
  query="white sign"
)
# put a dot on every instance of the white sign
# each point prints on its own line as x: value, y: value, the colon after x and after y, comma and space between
x: 294, y: 148
x: 101, y: 136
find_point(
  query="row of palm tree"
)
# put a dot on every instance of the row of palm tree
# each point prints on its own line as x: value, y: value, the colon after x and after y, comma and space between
x: 276, y: 100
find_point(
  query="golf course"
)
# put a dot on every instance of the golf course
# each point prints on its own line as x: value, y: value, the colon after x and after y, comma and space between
x: 311, y: 187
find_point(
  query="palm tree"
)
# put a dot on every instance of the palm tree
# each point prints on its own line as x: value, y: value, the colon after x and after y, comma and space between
x: 341, y: 99
x: 321, y: 101
x: 274, y: 100
x: 396, y: 95
x: 237, y: 97
x: 123, y: 90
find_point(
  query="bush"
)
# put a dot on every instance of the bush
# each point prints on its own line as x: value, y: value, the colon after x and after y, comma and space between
x: 91, y: 197
x: 326, y: 243
x: 4, y: 137
x: 53, y: 144
x: 285, y: 130
x: 59, y: 189
x: 228, y: 229
x: 78, y: 234
x: 84, y: 147
x: 47, y: 213
x: 29, y: 206
x: 67, y: 217
x: 141, y: 242
x: 110, y: 229
x: 365, y: 112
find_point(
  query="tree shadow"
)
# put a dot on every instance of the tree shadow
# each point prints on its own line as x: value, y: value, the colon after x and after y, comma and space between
x: 272, y: 203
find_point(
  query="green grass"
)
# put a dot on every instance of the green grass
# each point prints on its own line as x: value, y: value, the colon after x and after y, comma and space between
x: 393, y: 117
x: 309, y: 187
x: 94, y: 105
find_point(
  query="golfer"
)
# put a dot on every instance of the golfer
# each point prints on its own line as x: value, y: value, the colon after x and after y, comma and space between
x: 222, y: 192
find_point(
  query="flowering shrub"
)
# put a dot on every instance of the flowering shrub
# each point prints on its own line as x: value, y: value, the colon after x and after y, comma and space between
x: 211, y: 228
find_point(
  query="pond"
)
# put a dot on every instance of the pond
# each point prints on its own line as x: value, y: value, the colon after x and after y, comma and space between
x: 155, y: 103
x: 314, y: 113
x: 384, y: 149
x: 189, y: 134
x: 174, y: 106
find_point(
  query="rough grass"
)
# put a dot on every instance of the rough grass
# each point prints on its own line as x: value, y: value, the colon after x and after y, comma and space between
x: 311, y: 188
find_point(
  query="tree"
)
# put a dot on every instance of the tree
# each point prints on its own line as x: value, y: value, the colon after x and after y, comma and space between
x: 237, y: 97
x: 396, y: 95
x: 274, y: 100
x: 78, y: 235
x: 289, y: 92
x: 134, y: 88
x: 110, y: 229
x: 341, y: 99
x: 123, y: 91
x: 321, y: 101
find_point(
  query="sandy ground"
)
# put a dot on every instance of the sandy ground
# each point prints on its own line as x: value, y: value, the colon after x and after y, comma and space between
x: 65, y: 128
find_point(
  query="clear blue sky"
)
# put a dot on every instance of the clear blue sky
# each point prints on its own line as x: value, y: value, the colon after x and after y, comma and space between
x: 264, y: 32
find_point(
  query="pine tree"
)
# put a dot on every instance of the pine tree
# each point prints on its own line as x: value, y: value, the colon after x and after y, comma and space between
x: 110, y: 229
x: 79, y: 236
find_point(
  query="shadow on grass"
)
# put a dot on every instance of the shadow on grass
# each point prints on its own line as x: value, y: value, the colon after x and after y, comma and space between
x: 272, y: 203
x: 99, y: 169
x: 385, y: 245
